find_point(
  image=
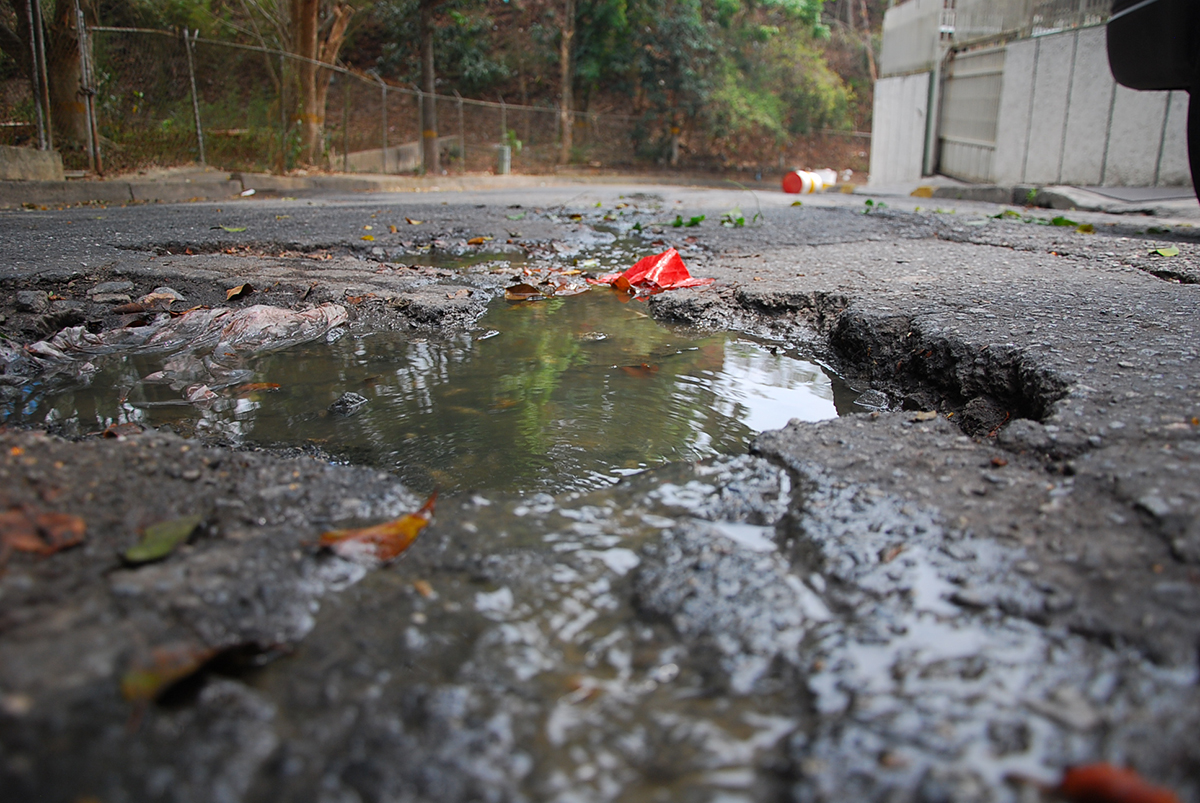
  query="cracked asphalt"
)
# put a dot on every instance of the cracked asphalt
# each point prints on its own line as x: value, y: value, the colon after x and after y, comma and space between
x: 993, y: 575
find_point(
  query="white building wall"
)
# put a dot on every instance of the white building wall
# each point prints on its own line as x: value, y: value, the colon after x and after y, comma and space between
x: 1062, y: 119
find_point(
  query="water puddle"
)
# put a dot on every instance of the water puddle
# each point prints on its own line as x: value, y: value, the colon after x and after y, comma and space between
x: 569, y: 393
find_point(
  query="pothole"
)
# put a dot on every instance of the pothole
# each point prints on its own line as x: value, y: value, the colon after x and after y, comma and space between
x: 559, y: 394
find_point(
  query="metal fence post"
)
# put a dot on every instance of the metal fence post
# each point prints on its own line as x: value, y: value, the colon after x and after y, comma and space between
x: 421, y: 128
x: 187, y: 45
x: 85, y: 87
x: 462, y: 139
x: 282, y: 114
x: 39, y: 35
x: 382, y: 120
x: 34, y: 81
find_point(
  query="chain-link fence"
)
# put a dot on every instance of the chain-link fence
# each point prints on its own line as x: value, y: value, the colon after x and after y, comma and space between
x: 243, y: 115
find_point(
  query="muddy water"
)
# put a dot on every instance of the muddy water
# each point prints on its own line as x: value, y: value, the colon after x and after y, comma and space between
x: 569, y: 393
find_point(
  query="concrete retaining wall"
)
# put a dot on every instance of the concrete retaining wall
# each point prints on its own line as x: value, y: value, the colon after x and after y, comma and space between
x: 1064, y: 120
x: 27, y: 164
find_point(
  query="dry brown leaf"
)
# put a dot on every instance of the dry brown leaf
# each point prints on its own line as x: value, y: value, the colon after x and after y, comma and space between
x: 382, y: 542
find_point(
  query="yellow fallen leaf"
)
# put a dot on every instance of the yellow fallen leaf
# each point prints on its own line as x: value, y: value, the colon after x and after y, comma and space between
x: 412, y: 222
x: 925, y: 415
x: 478, y: 240
x: 383, y: 542
x: 238, y: 292
x: 392, y: 228
x: 367, y: 228
x: 924, y: 191
x: 368, y: 237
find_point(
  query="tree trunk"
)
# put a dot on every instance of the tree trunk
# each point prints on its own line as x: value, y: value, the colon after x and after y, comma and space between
x: 566, y: 118
x: 67, y: 110
x: 305, y: 15
x: 312, y: 50
x: 429, y: 87
x: 868, y: 44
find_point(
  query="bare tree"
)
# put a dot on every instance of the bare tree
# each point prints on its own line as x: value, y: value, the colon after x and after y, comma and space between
x: 313, y: 31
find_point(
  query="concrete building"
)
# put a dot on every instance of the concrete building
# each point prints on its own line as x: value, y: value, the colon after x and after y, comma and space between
x: 1017, y: 92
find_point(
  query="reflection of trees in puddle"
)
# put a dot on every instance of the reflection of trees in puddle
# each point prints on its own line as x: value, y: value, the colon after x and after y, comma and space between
x: 546, y: 405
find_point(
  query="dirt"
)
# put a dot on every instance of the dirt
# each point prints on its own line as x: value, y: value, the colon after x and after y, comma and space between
x: 993, y: 576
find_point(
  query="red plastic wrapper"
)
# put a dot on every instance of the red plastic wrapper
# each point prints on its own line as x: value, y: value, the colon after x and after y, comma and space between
x: 654, y: 274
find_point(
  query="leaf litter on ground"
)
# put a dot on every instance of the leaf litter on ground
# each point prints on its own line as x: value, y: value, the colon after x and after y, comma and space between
x: 380, y: 543
x: 25, y: 529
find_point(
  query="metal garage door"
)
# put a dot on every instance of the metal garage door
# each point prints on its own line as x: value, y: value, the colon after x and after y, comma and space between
x: 969, y: 111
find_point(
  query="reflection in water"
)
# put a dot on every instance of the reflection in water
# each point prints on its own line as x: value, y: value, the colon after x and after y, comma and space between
x: 562, y: 394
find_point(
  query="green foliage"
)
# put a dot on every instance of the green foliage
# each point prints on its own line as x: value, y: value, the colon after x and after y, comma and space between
x: 510, y: 139
x: 465, y: 56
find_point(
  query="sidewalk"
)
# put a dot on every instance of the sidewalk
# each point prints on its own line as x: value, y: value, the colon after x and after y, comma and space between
x: 183, y: 184
x: 1176, y: 202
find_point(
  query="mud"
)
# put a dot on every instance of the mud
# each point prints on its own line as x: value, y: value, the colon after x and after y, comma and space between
x: 993, y: 576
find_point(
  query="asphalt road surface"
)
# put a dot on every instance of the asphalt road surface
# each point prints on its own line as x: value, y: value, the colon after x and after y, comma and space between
x: 989, y: 574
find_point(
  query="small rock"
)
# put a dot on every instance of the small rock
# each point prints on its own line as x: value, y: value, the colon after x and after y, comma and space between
x: 1155, y: 505
x: 347, y: 404
x: 1023, y: 435
x: 1068, y: 707
x: 31, y: 301
x: 111, y: 298
x: 62, y: 306
x: 1187, y: 547
x: 872, y: 400
x: 981, y: 415
x: 123, y: 286
x: 161, y: 294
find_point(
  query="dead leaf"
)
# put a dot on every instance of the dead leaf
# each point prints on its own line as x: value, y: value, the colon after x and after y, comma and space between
x: 368, y: 228
x: 368, y: 238
x: 460, y: 293
x: 644, y: 370
x: 239, y: 291
x: 150, y: 675
x: 23, y: 529
x: 522, y: 292
x: 382, y: 542
x: 890, y: 553
x: 160, y: 540
x: 412, y: 222
x: 122, y: 430
x: 479, y: 240
x: 424, y: 589
x: 392, y: 228
x: 1104, y: 783
x: 999, y: 462
x: 255, y: 387
x: 925, y: 415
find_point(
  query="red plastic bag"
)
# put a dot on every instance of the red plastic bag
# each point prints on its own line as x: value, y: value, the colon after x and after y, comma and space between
x: 654, y: 274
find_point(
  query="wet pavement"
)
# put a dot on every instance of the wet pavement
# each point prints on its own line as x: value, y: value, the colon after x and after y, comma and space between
x: 986, y: 570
